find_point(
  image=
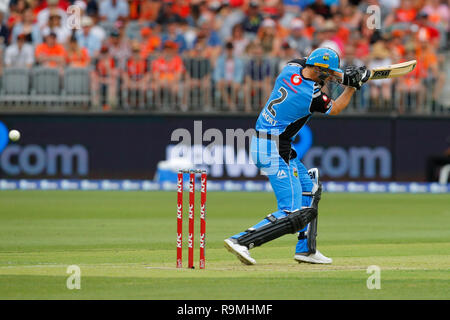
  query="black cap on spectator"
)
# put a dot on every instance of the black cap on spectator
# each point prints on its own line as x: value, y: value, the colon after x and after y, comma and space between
x: 114, y: 33
x: 52, y: 34
x: 229, y: 45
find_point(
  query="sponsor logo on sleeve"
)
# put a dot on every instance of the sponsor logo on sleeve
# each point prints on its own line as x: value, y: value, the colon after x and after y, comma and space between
x: 296, y: 79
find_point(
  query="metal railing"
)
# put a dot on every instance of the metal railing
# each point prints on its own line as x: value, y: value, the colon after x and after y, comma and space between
x: 206, y: 86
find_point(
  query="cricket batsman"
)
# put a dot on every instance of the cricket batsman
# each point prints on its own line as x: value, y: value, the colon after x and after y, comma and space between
x: 295, y: 97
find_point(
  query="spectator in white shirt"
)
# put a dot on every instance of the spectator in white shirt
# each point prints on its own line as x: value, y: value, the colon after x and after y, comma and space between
x: 19, y: 54
x: 112, y: 10
x: 44, y: 15
x: 87, y: 38
x: 28, y: 27
x: 54, y: 25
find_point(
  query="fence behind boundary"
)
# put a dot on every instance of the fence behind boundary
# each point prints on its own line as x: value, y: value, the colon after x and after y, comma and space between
x: 238, y: 85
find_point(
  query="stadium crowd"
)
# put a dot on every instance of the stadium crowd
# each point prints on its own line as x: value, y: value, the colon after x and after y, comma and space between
x: 224, y: 54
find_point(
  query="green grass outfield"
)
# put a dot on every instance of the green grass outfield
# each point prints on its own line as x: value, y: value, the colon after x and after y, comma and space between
x: 124, y: 243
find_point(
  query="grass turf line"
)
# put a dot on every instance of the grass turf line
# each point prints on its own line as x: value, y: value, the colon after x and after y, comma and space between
x: 124, y: 243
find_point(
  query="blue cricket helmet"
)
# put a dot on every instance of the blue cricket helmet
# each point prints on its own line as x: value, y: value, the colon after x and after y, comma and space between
x: 325, y: 58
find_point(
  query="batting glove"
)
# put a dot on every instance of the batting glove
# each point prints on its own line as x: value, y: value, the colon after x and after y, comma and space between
x: 355, y: 77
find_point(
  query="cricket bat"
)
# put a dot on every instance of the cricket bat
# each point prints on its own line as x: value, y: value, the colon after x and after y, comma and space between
x: 393, y: 70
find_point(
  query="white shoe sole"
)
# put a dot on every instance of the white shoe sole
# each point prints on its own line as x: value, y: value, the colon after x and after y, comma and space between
x: 230, y: 247
x: 307, y: 259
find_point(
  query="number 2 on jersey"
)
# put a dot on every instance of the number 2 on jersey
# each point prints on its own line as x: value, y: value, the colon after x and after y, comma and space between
x: 279, y: 100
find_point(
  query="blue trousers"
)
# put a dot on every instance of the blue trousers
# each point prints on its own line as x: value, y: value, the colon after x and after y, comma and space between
x: 288, y: 181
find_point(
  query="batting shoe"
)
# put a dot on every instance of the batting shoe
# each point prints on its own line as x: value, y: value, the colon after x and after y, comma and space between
x: 239, y: 251
x: 317, y: 257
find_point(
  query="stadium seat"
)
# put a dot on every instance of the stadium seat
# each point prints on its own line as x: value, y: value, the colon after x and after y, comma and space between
x: 77, y: 86
x: 15, y: 86
x: 45, y: 85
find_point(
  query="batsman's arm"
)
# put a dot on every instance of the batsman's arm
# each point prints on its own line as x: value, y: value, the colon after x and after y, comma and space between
x: 342, y: 101
x: 353, y: 79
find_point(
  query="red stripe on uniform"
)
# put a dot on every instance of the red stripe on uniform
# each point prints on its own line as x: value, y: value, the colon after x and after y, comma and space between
x: 289, y: 85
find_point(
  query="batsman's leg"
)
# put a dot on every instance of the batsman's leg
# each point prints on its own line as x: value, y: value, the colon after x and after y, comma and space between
x: 288, y: 219
x: 306, y: 250
x: 303, y: 244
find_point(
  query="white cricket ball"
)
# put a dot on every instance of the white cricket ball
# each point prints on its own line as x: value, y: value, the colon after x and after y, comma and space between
x: 14, y: 135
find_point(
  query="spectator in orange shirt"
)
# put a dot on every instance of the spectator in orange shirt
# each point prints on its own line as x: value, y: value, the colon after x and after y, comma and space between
x: 362, y: 46
x: 76, y: 56
x: 405, y: 13
x: 307, y: 16
x: 396, y: 46
x: 410, y: 86
x: 167, y: 71
x: 50, y: 53
x: 343, y: 31
x: 181, y: 8
x: 150, y: 42
x: 148, y: 10
x: 438, y: 13
x: 135, y: 78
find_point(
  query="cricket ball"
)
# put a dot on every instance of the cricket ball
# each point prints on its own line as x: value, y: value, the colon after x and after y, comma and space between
x: 14, y: 135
